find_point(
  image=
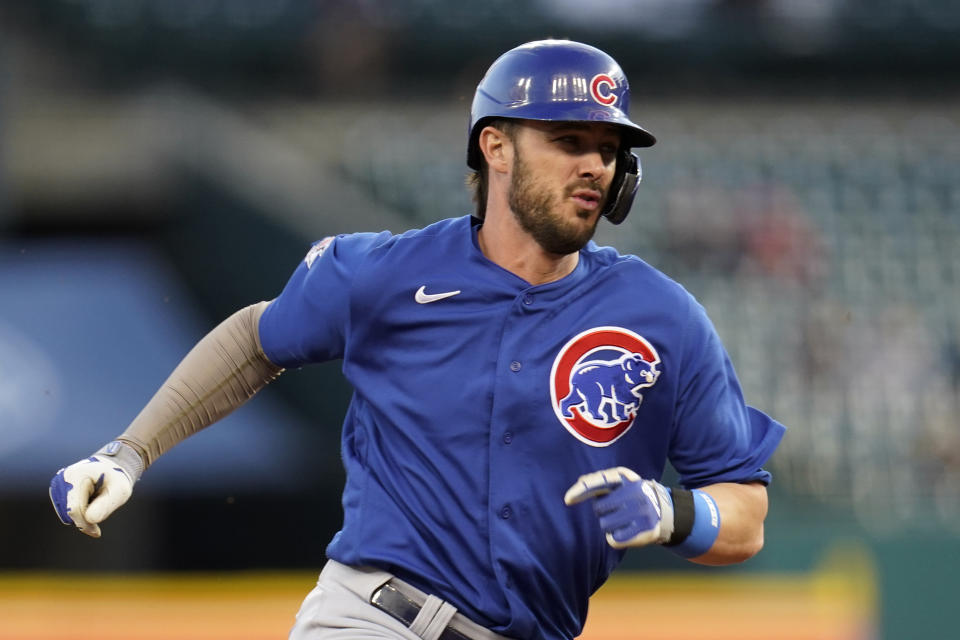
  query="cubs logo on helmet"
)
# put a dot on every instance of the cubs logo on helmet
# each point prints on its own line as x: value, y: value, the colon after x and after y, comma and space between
x: 595, y: 383
x: 601, y: 89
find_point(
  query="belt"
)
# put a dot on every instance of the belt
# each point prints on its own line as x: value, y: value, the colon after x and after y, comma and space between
x: 389, y: 599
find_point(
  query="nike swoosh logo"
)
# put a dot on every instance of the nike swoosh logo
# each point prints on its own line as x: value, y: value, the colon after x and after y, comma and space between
x: 424, y: 298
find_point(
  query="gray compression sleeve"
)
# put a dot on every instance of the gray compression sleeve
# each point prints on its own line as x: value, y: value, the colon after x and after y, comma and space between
x: 224, y: 370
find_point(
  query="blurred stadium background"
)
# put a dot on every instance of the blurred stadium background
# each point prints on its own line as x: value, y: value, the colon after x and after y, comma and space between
x: 164, y: 162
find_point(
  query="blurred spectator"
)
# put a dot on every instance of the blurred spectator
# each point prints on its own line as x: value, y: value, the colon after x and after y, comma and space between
x: 658, y: 18
x: 757, y: 230
x: 348, y: 52
x: 701, y: 229
x: 779, y: 240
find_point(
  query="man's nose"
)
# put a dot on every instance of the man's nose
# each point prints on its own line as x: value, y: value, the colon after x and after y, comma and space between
x: 592, y: 165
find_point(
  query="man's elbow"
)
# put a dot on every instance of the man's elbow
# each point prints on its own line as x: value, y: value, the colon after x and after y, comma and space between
x: 750, y: 548
x: 743, y: 508
x: 726, y: 553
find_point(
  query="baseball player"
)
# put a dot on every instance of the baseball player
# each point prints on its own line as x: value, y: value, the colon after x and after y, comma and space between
x: 518, y: 390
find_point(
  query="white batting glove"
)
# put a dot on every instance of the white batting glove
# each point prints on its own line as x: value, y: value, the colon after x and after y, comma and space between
x: 88, y: 491
x: 633, y: 512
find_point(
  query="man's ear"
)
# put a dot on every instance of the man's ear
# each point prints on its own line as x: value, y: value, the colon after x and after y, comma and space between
x: 497, y: 149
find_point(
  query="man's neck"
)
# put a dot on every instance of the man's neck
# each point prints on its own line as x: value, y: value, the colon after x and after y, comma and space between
x: 507, y: 245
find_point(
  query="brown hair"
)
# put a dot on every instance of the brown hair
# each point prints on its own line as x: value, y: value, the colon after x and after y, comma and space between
x: 477, y: 180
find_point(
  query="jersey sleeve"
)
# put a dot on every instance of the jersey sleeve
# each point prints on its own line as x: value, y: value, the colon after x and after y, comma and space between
x: 716, y: 437
x: 308, y: 322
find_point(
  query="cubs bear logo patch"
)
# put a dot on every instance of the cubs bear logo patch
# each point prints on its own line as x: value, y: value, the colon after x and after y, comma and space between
x: 595, y: 383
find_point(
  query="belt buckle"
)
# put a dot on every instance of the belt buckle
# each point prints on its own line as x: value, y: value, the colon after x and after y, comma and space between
x: 392, y: 601
x: 389, y: 599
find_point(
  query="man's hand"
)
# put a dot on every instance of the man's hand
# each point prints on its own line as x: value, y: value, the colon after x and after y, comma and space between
x: 633, y: 512
x: 88, y: 491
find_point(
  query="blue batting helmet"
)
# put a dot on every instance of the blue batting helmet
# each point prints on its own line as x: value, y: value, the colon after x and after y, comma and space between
x: 567, y: 81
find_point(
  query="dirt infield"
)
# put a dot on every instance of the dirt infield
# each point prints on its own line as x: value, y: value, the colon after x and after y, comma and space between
x: 831, y: 605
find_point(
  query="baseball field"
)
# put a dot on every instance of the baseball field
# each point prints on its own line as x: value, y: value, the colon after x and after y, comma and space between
x: 835, y: 604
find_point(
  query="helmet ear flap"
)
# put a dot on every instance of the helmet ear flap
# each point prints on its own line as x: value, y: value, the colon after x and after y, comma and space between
x: 623, y: 189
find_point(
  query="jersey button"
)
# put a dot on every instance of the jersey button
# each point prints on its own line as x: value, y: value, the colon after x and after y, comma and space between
x: 515, y: 366
x: 528, y: 299
x: 506, y: 513
x: 508, y: 437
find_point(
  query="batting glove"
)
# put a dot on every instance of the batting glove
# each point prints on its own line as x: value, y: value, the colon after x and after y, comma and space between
x: 633, y: 512
x: 88, y: 491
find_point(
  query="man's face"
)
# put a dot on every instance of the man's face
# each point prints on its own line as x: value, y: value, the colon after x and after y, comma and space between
x: 561, y: 176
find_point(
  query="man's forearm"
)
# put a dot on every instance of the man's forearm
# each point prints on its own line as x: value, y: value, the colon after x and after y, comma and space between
x: 224, y: 370
x: 743, y: 508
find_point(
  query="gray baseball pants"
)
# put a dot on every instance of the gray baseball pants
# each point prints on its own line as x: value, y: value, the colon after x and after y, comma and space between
x: 340, y: 608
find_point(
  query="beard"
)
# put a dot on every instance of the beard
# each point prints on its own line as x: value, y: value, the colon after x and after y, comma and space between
x: 537, y: 211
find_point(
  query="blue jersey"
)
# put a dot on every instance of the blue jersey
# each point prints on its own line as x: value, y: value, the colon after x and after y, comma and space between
x: 480, y: 399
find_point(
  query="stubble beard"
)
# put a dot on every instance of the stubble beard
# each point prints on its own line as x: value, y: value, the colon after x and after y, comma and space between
x: 536, y: 211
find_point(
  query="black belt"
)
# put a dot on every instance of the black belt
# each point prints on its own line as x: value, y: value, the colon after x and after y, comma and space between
x: 388, y: 598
